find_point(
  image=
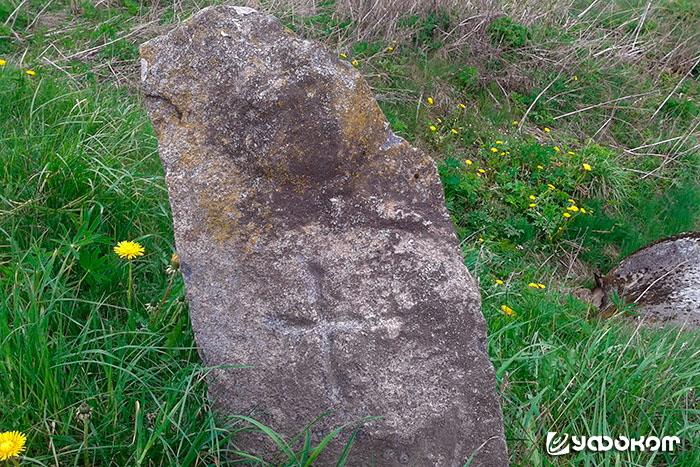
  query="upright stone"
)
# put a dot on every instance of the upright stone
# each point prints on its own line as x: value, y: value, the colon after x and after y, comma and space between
x: 316, y: 248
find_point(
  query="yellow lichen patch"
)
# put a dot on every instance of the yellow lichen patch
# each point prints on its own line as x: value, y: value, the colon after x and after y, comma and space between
x: 226, y: 210
x: 191, y: 156
x: 221, y: 216
x: 361, y: 119
x: 199, y: 34
x: 147, y: 53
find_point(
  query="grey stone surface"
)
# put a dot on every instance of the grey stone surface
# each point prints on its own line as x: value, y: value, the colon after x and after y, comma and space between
x: 316, y: 247
x: 662, y: 278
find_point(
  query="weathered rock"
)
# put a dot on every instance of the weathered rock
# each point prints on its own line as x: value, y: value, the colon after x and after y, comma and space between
x: 316, y: 247
x: 662, y: 278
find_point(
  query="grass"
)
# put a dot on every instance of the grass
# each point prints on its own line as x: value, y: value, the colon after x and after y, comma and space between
x: 95, y: 380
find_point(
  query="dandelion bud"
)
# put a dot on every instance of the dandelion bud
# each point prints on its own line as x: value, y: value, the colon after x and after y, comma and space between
x: 84, y: 412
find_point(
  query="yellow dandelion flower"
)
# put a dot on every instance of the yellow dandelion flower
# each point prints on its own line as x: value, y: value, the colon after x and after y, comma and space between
x: 468, y: 162
x: 532, y: 197
x: 515, y: 122
x: 533, y: 285
x: 540, y: 167
x: 499, y: 282
x: 541, y: 286
x: 573, y: 208
x: 573, y: 154
x: 507, y: 310
x: 583, y: 211
x: 567, y: 215
x: 30, y: 72
x: 439, y: 120
x: 481, y: 239
x: 455, y: 131
x: 11, y: 444
x: 432, y: 128
x: 547, y: 130
x: 463, y: 106
x: 586, y: 166
x: 390, y: 49
x: 499, y: 142
x: 430, y: 100
x: 2, y: 62
x: 503, y: 154
x: 590, y: 211
x: 494, y: 150
x: 482, y: 171
x: 507, y: 152
x: 571, y: 200
x: 532, y: 205
x: 575, y: 78
x: 557, y: 149
x: 343, y: 55
x: 355, y: 63
x: 560, y: 228
x: 550, y: 186
x: 129, y: 250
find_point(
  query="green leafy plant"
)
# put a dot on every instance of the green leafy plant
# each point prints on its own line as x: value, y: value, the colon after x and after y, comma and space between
x: 468, y: 78
x: 509, y: 34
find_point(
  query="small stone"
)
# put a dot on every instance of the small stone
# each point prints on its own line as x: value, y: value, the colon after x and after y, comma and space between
x: 316, y: 249
x: 662, y: 279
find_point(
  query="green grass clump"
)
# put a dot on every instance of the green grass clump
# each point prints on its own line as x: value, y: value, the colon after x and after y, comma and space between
x: 507, y: 33
x: 87, y: 384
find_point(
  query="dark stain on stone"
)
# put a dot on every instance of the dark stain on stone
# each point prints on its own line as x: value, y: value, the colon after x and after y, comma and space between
x: 186, y: 270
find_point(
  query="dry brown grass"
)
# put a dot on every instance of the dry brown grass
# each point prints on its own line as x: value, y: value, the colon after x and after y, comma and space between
x: 671, y: 48
x: 593, y: 35
x: 608, y: 33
